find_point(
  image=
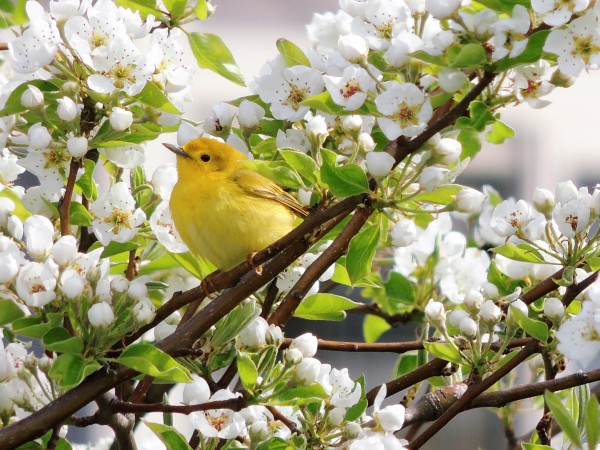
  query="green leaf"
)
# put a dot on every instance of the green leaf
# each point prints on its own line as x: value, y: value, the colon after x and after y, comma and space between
x: 399, y: 289
x: 35, y: 326
x: 149, y: 360
x: 499, y: 133
x: 291, y: 53
x: 504, y: 6
x: 324, y: 307
x: 211, y: 53
x: 532, y: 327
x: 343, y: 181
x: 504, y: 284
x: 233, y: 323
x: 79, y: 215
x: 59, y: 340
x: 594, y: 263
x: 424, y: 56
x: 201, y: 10
x: 193, y: 264
x: 471, y: 144
x: 406, y: 363
x: 114, y: 248
x: 246, y: 370
x: 145, y: 7
x: 441, y: 195
x: 168, y: 436
x: 70, y: 369
x: 323, y: 102
x: 361, y: 252
x: 480, y: 115
x: 567, y: 277
x: 300, y: 395
x: 152, y: 96
x: 521, y: 252
x: 374, y: 327
x: 532, y: 53
x: 303, y: 164
x: 278, y: 171
x: 470, y: 55
x: 86, y: 181
x: 355, y: 411
x: 176, y: 8
x: 592, y: 422
x: 9, y: 311
x: 563, y: 417
x: 529, y: 446
x: 447, y: 352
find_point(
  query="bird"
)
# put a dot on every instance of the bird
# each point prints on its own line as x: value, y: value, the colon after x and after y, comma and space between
x: 223, y: 211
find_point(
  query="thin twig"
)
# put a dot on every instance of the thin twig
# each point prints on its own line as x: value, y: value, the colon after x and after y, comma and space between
x: 64, y: 207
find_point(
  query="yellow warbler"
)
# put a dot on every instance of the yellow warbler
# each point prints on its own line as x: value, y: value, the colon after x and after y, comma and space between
x: 224, y: 211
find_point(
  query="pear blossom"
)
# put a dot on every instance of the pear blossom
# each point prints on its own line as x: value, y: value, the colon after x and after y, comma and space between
x: 161, y: 223
x: 36, y: 283
x: 286, y: 88
x: 326, y: 28
x: 401, y: 46
x: 343, y: 390
x: 293, y: 138
x: 352, y: 47
x: 510, y: 34
x: 126, y: 157
x: 566, y: 191
x: 406, y: 108
x: 511, y: 217
x: 196, y: 392
x: 116, y: 217
x: 390, y: 418
x: 222, y: 118
x: 403, y: 233
x: 9, y: 168
x: 572, y: 217
x: 382, y: 18
x: 38, y: 44
x: 167, y: 56
x: 532, y: 83
x: 558, y: 12
x: 578, y: 337
x: 221, y: 423
x: 351, y: 89
x: 577, y: 46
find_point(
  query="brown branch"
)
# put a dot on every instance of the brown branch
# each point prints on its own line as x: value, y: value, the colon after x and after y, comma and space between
x: 278, y: 415
x: 344, y: 346
x: 433, y: 368
x: 235, y: 404
x: 338, y: 248
x: 64, y: 206
x: 473, y: 392
x: 121, y: 424
x: 131, y: 271
x: 432, y: 405
x: 270, y: 298
x: 577, y: 288
x: 544, y: 425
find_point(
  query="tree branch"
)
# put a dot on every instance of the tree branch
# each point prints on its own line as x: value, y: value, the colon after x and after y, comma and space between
x: 472, y: 392
x: 377, y: 347
x: 64, y: 207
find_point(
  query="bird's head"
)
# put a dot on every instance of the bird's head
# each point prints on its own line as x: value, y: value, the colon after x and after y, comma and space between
x: 205, y: 155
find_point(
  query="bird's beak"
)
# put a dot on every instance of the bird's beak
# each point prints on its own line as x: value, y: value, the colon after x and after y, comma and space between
x: 177, y: 150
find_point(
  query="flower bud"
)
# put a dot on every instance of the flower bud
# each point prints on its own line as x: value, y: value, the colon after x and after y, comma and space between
x: 64, y: 250
x: 565, y: 192
x: 119, y: 285
x: 100, y: 315
x: 456, y: 316
x: 259, y: 431
x: 77, y: 146
x: 45, y: 363
x: 9, y: 268
x: 521, y: 306
x: 442, y: 9
x: 554, y: 309
x: 448, y: 150
x: 543, y: 201
x: 366, y: 142
x: 254, y: 335
x: 32, y: 97
x: 196, y: 392
x: 468, y: 327
x: 379, y: 163
x: 352, y: 124
x: 316, y: 130
x: 336, y: 416
x: 186, y: 132
x: 120, y: 119
x: 352, y: 430
x: 404, y: 233
x: 469, y: 201
x: 292, y: 356
x: 6, y: 403
x: 67, y: 109
x: 452, y: 80
x: 432, y: 177
x: 144, y: 311
x: 353, y: 48
x: 70, y: 88
x: 306, y: 343
x: 72, y: 287
x: 274, y: 335
x: 490, y: 313
x: 39, y: 136
x: 307, y: 371
x: 250, y: 114
x: 14, y: 226
x: 304, y: 196
x: 473, y: 300
x: 435, y: 314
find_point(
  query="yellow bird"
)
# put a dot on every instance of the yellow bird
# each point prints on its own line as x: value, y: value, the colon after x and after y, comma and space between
x: 224, y: 211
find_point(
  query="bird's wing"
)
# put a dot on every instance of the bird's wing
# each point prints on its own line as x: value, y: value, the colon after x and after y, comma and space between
x: 255, y: 184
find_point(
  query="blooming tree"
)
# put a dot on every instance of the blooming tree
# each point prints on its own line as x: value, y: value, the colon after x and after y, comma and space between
x: 369, y: 128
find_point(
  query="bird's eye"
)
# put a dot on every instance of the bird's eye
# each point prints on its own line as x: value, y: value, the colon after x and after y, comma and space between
x: 205, y: 158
